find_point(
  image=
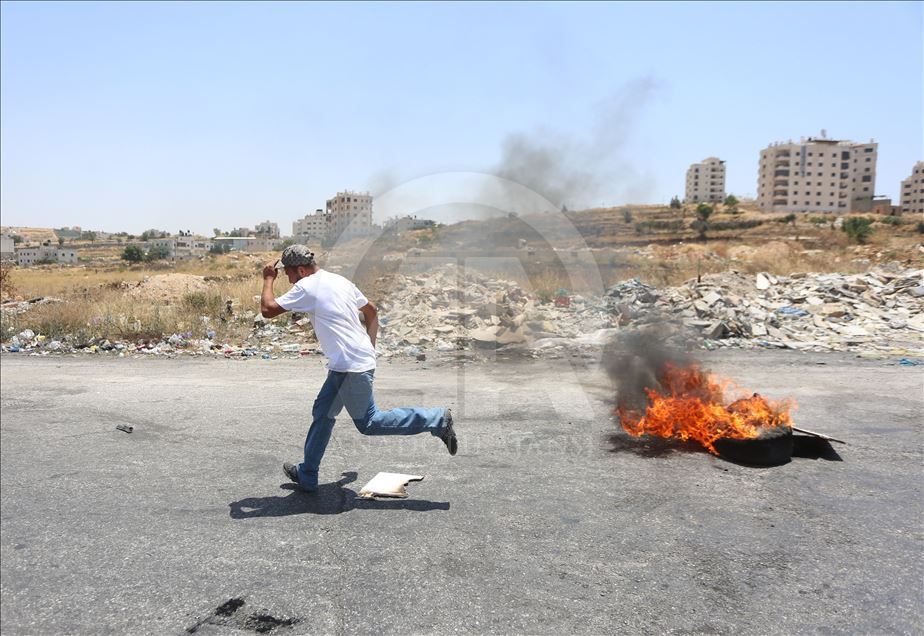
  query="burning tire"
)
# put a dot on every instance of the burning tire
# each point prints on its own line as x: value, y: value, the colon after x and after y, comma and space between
x: 768, y: 450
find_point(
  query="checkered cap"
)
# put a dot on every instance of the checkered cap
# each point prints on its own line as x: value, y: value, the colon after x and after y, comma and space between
x: 295, y: 255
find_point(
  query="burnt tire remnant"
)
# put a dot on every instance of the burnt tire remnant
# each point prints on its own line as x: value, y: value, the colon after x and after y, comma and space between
x: 225, y: 615
x: 768, y: 450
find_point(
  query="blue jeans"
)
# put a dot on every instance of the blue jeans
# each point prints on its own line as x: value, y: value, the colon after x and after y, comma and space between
x: 354, y: 391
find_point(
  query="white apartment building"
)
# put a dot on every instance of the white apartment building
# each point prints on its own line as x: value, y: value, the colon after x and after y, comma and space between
x: 912, y: 199
x: 350, y: 215
x: 26, y: 256
x: 183, y: 247
x: 312, y: 227
x: 706, y: 181
x: 818, y: 175
x: 267, y: 229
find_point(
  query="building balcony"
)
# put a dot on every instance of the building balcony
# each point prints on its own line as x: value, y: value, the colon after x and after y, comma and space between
x: 781, y: 173
x: 780, y: 202
x: 781, y: 153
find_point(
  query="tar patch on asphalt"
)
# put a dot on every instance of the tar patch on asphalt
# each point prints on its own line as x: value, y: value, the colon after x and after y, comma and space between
x: 227, y: 615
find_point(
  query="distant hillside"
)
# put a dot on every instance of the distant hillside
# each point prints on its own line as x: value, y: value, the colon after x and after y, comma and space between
x: 31, y: 234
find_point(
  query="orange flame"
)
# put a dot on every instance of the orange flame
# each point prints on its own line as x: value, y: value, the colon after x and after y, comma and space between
x: 692, y: 406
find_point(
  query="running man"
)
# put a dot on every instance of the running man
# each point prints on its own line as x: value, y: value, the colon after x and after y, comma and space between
x: 333, y: 305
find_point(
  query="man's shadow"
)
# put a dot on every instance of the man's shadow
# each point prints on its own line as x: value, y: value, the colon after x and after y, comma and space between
x: 329, y: 499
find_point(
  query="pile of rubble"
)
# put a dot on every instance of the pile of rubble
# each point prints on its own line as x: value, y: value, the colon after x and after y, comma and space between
x: 451, y: 309
x: 880, y: 310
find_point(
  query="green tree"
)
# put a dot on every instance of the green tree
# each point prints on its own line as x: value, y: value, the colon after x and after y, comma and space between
x: 147, y: 235
x: 701, y: 224
x: 858, y: 228
x: 157, y: 253
x: 132, y: 254
x: 60, y: 241
x: 731, y: 204
x: 675, y: 203
x: 17, y: 239
x: 88, y: 236
x: 704, y: 211
x: 627, y: 216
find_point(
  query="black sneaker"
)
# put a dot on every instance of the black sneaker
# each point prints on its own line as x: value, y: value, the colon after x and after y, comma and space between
x: 449, y: 434
x: 291, y: 471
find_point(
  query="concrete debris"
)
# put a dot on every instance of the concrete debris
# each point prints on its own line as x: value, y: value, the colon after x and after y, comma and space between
x: 451, y: 309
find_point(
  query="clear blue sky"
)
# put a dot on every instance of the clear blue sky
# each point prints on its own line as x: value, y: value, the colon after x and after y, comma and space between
x: 175, y: 116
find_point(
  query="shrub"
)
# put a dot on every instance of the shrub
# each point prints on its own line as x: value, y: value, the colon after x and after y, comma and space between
x: 132, y: 254
x: 157, y: 253
x: 858, y: 228
x: 818, y: 220
x: 627, y: 216
x: 203, y: 303
x: 731, y: 202
x: 919, y: 227
x: 7, y: 289
x: 704, y: 211
x: 789, y: 218
x: 891, y: 220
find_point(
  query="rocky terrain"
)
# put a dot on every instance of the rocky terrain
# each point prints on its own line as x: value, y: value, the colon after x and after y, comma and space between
x: 879, y: 311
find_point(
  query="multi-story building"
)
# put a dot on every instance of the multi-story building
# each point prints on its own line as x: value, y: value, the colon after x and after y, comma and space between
x: 912, y: 199
x: 818, y: 175
x: 45, y: 253
x: 183, y: 247
x: 267, y: 229
x: 706, y: 181
x: 7, y: 248
x: 350, y: 215
x: 312, y: 227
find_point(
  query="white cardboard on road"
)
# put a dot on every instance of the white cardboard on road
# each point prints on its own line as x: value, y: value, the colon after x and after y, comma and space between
x: 388, y: 485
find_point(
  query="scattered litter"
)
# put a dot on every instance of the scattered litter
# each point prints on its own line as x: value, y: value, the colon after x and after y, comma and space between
x: 125, y: 427
x: 454, y: 309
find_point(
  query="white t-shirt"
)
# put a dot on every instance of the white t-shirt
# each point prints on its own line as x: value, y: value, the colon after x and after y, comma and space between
x: 332, y: 303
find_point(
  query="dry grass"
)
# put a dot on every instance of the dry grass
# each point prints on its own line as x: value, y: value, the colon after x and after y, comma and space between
x: 97, y: 304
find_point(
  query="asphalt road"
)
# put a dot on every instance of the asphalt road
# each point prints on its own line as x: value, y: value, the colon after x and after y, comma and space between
x: 541, y: 523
